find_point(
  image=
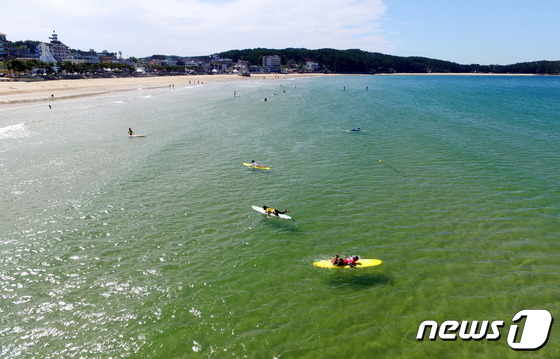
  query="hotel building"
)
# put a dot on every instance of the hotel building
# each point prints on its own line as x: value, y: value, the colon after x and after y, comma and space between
x: 54, y: 51
x: 272, y: 63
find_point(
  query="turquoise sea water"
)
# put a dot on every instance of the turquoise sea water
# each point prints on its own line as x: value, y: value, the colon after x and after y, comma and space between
x: 115, y: 247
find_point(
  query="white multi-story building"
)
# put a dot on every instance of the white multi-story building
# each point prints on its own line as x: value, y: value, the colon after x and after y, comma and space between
x: 53, y: 51
x: 272, y: 63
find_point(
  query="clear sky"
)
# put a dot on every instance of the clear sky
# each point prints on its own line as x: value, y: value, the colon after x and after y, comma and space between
x: 474, y: 31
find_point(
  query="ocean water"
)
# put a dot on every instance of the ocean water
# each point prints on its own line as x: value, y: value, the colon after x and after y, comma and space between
x: 116, y: 247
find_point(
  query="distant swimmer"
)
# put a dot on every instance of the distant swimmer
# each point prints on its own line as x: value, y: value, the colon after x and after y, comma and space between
x: 274, y: 211
x: 130, y: 132
x: 350, y: 261
x: 253, y: 163
x: 355, y: 130
x: 265, y: 99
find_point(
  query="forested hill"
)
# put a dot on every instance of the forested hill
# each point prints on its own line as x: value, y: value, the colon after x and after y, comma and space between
x: 359, y: 61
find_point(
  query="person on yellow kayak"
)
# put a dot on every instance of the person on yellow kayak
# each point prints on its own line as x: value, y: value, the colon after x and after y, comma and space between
x: 274, y: 211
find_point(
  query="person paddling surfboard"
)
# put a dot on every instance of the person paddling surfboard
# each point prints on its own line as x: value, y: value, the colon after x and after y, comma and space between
x: 274, y: 211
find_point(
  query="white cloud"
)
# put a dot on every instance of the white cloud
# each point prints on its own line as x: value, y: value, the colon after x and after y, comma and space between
x: 198, y: 27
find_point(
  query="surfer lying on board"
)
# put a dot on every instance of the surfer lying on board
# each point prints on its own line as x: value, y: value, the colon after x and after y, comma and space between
x: 130, y: 132
x: 253, y: 163
x: 350, y: 261
x: 274, y: 211
x: 355, y: 130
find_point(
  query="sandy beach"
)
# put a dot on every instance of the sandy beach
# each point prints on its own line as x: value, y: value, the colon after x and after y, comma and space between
x: 14, y: 92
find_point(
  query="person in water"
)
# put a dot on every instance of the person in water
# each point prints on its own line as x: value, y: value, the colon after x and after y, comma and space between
x: 274, y: 211
x: 356, y: 129
x: 350, y: 261
x: 130, y: 132
x: 253, y: 163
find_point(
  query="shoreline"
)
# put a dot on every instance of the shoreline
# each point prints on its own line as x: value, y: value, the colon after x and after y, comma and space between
x: 22, y: 92
x: 28, y: 92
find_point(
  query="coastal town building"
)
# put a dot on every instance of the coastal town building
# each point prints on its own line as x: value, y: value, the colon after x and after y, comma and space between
x: 3, y: 46
x: 243, y: 68
x: 311, y: 66
x: 272, y: 63
x: 93, y: 57
x: 220, y: 65
x: 23, y: 52
x: 53, y: 51
x: 156, y: 62
x: 106, y: 57
x: 192, y: 62
x: 84, y: 58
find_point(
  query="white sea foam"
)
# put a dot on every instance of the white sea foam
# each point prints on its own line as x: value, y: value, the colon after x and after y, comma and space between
x: 14, y: 131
